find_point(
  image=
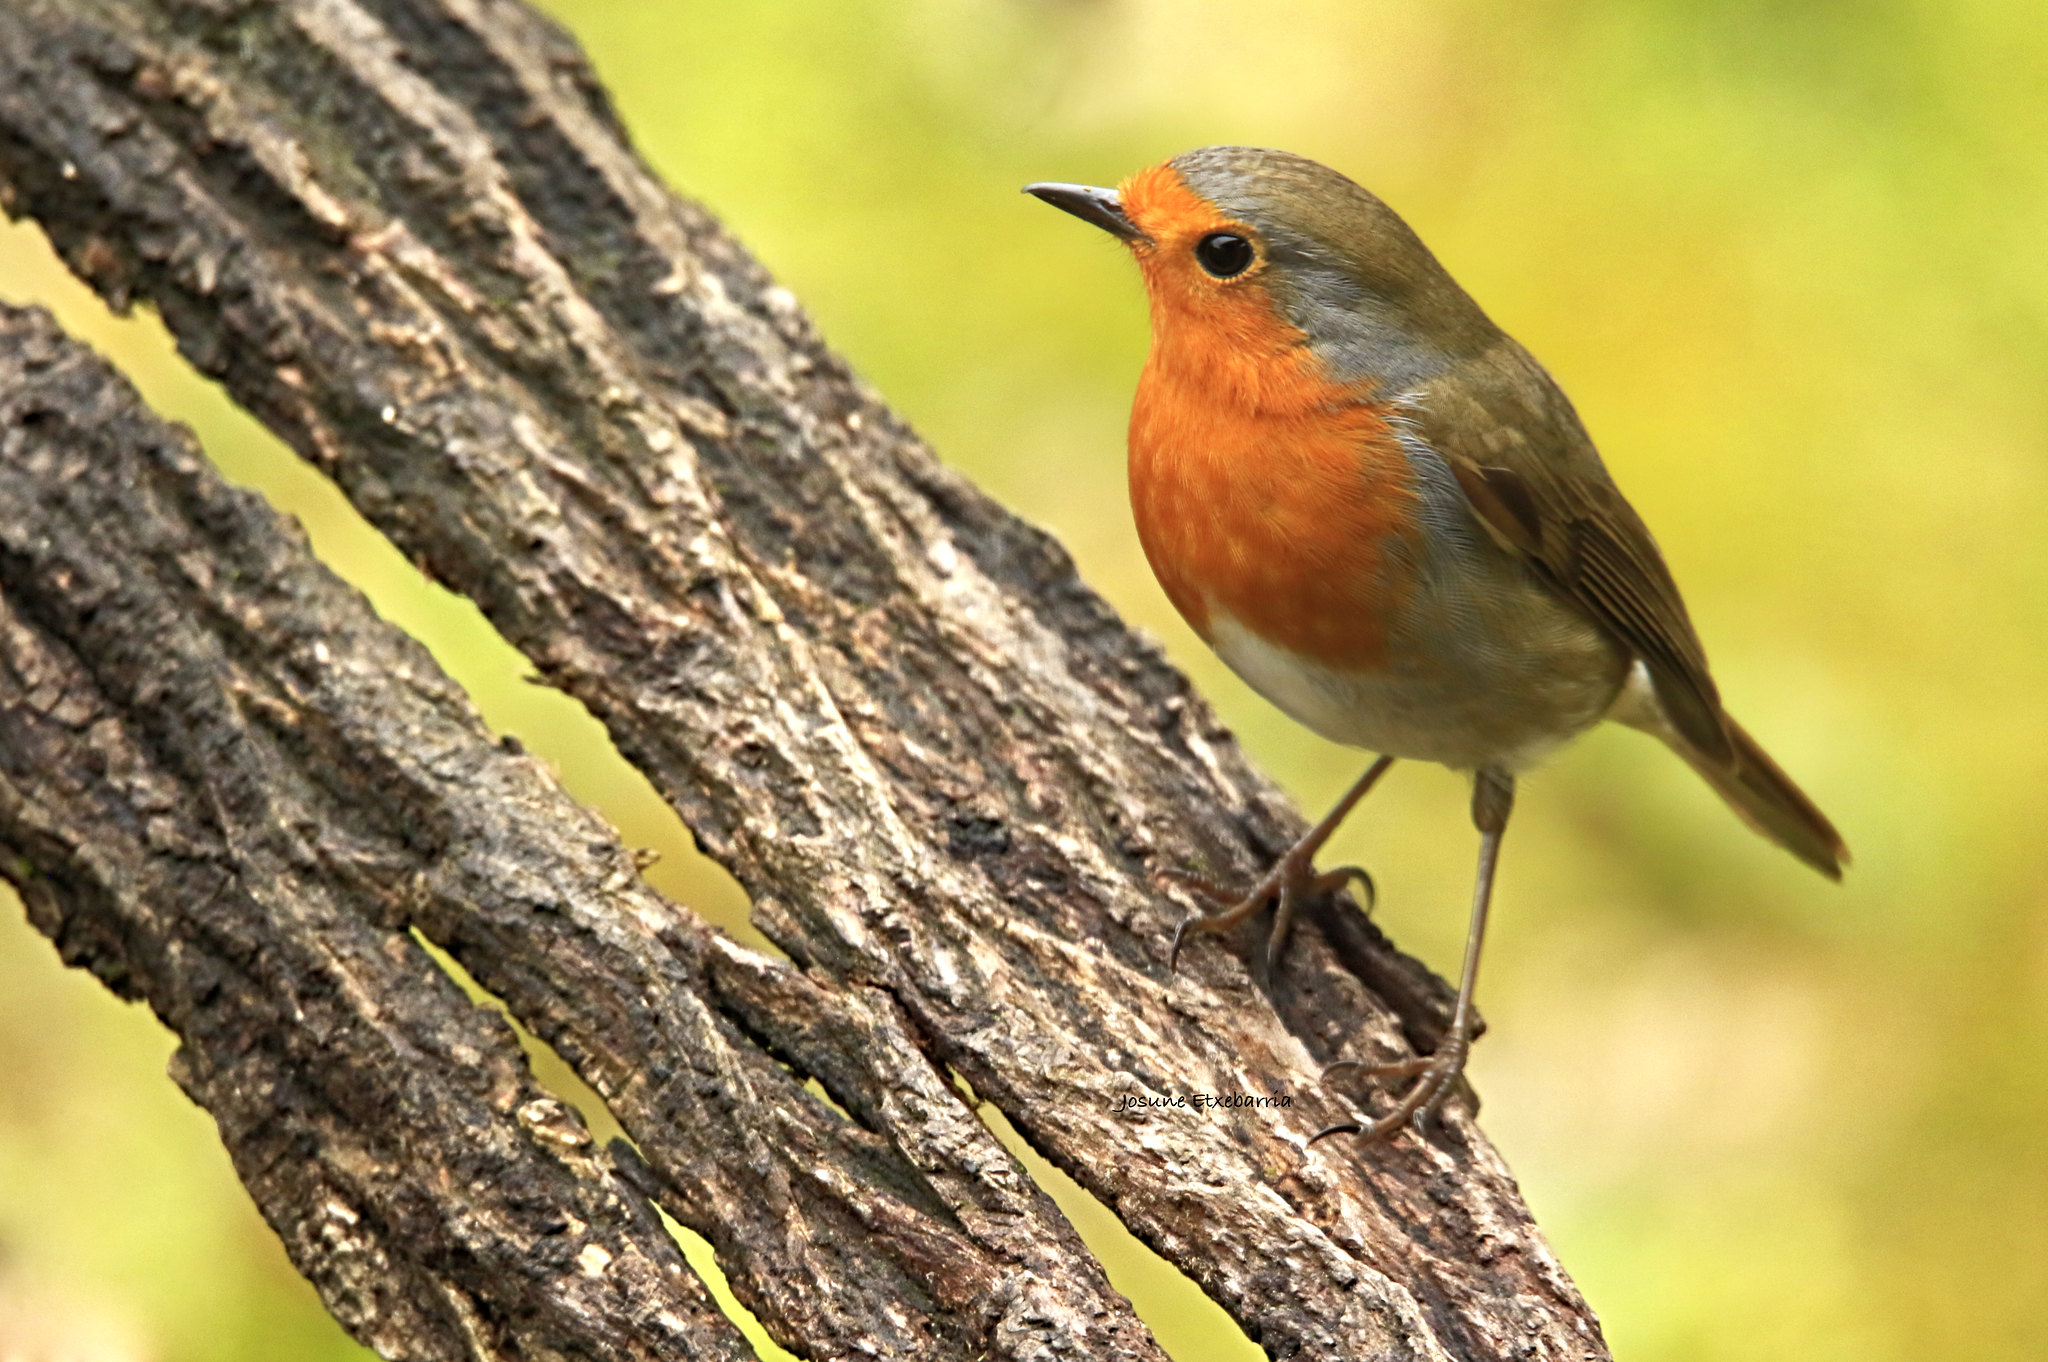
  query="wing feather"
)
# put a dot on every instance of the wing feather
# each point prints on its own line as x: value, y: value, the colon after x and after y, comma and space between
x: 1530, y: 471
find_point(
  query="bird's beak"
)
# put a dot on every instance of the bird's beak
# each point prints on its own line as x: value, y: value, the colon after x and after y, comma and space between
x: 1099, y: 206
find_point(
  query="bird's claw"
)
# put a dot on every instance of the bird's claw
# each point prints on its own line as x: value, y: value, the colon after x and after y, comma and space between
x: 1330, y: 881
x: 1203, y: 888
x: 1292, y: 880
x: 1436, y: 1078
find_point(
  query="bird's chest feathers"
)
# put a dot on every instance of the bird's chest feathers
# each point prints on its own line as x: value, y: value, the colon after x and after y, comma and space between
x: 1265, y: 492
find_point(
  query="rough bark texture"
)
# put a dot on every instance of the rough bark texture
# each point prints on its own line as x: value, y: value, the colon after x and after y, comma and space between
x: 201, y: 734
x: 227, y: 788
x: 410, y: 236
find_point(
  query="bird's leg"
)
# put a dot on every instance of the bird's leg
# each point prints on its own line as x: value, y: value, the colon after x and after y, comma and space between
x: 1493, y: 795
x: 1292, y: 879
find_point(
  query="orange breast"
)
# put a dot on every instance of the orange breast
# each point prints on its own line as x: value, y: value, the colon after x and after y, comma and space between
x: 1265, y: 490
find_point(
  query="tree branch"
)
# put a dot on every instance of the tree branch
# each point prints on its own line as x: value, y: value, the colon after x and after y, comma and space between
x: 232, y: 789
x: 183, y: 818
x: 409, y: 235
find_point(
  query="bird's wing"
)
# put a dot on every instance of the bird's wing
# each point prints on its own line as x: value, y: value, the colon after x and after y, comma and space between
x: 1533, y: 477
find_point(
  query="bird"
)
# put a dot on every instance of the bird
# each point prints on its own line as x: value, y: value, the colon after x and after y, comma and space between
x: 1385, y: 516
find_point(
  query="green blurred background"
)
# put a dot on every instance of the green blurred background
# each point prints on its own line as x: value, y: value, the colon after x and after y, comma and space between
x: 1790, y: 259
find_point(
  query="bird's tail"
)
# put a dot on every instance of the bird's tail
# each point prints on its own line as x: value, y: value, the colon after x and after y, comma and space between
x: 1756, y: 788
x: 1754, y: 785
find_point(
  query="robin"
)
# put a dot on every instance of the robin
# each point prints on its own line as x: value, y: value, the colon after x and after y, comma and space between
x: 1385, y: 516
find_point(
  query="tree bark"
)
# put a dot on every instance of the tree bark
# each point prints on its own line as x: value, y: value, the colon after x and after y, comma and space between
x: 411, y: 237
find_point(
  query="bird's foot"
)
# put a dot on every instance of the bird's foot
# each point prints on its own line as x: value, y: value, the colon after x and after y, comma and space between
x: 1292, y: 881
x: 1436, y: 1078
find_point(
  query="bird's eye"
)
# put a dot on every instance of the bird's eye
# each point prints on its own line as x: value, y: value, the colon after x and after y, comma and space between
x: 1224, y: 254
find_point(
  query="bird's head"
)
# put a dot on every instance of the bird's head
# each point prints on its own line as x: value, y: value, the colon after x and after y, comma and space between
x: 1265, y: 249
